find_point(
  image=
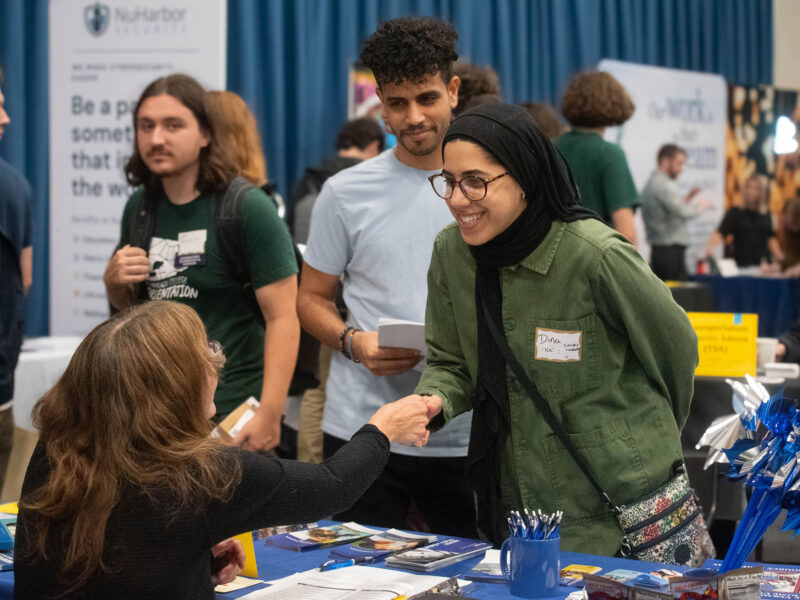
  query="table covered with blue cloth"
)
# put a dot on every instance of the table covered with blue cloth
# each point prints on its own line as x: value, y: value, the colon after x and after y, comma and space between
x: 274, y: 563
x: 776, y: 301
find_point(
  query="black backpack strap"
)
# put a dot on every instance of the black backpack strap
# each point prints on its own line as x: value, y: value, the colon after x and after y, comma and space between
x: 543, y: 407
x: 142, y: 228
x: 230, y: 236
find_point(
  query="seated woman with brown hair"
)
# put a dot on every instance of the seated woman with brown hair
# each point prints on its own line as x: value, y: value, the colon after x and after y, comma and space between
x: 126, y: 494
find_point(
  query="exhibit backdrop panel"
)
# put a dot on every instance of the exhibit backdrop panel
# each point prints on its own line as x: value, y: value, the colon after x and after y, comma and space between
x: 102, y: 55
x: 762, y: 139
x: 676, y: 107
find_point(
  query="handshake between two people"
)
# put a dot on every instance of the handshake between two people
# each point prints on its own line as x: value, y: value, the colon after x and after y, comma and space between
x: 405, y: 421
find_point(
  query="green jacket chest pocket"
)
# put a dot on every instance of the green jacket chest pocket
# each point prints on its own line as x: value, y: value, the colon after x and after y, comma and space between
x: 562, y: 356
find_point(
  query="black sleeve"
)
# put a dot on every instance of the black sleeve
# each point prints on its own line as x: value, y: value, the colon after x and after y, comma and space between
x: 277, y: 492
x: 728, y: 223
x: 791, y: 339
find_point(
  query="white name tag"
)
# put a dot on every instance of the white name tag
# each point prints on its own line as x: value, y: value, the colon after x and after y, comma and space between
x: 192, y: 242
x: 191, y: 248
x: 558, y: 346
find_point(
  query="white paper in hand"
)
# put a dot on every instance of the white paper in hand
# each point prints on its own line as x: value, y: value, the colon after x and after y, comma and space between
x: 397, y: 333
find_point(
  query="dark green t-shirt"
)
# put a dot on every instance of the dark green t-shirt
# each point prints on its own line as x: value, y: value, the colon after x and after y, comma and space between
x: 209, y: 288
x: 600, y: 170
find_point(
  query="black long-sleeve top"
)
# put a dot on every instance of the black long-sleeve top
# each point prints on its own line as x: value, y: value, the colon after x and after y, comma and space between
x: 154, y: 553
x: 791, y: 339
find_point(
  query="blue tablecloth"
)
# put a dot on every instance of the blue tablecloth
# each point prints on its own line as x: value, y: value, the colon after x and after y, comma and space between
x: 274, y: 563
x: 775, y: 301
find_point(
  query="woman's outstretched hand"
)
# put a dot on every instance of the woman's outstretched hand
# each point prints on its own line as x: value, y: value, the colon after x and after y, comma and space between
x: 404, y: 421
x: 229, y: 559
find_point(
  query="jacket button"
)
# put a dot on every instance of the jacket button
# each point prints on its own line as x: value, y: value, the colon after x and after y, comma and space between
x: 510, y: 324
x: 515, y: 385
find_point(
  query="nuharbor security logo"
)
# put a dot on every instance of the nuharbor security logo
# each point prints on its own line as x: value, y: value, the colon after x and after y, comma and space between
x: 96, y: 17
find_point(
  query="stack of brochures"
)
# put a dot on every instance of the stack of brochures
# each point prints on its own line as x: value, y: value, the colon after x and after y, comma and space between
x: 320, y: 537
x: 443, y: 553
x: 375, y: 547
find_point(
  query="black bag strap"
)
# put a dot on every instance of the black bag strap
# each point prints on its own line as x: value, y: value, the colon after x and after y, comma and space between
x: 543, y: 407
x: 141, y: 232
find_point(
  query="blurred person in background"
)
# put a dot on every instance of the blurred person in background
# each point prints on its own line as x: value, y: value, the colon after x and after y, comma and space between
x: 747, y: 230
x: 789, y: 237
x: 16, y: 277
x: 357, y: 140
x: 666, y: 213
x: 236, y: 127
x: 594, y: 101
x: 545, y: 116
x: 479, y: 85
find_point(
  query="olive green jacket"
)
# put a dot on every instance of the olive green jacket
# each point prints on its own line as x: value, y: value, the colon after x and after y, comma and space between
x: 621, y: 385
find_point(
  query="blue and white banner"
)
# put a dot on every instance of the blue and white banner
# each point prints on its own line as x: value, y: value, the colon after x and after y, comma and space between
x: 102, y: 55
x: 678, y: 107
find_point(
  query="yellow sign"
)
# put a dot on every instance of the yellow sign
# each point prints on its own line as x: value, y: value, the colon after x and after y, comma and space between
x: 11, y: 508
x: 250, y: 567
x: 727, y: 343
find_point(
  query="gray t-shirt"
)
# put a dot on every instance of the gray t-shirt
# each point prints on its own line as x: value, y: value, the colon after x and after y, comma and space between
x: 374, y: 224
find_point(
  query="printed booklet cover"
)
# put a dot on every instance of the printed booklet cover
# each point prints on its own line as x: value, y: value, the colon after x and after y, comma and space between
x: 778, y: 582
x: 440, y: 554
x: 572, y: 575
x: 375, y: 547
x: 320, y: 537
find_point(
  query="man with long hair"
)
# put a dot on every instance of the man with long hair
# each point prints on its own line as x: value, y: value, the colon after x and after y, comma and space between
x: 181, y: 171
x: 375, y: 223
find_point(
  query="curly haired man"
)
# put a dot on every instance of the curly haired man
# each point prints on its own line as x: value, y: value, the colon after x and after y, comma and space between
x: 374, y: 224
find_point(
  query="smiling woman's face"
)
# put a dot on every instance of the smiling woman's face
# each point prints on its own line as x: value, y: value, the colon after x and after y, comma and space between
x: 481, y: 220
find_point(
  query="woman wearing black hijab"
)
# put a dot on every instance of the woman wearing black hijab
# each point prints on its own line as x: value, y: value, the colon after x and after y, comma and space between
x: 596, y: 332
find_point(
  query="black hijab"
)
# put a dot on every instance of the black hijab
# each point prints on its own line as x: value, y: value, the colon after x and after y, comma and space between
x: 510, y: 136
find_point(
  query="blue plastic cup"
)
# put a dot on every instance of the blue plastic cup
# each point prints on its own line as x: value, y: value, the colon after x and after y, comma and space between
x: 533, y: 567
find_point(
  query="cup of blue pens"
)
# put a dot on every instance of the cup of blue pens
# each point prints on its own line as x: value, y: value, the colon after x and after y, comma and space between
x: 531, y: 556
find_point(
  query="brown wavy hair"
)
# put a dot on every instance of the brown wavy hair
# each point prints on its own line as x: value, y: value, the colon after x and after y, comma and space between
x: 126, y: 412
x: 237, y: 130
x: 545, y: 116
x: 477, y: 82
x: 217, y: 168
x: 596, y: 99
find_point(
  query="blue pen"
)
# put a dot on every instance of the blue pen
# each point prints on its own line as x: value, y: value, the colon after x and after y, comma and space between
x: 333, y: 564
